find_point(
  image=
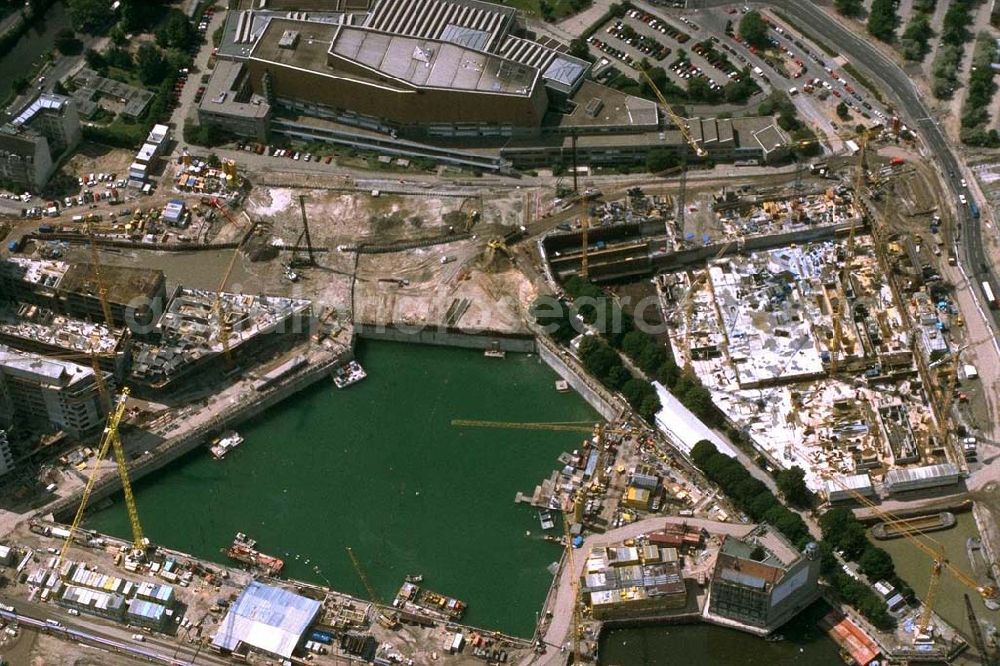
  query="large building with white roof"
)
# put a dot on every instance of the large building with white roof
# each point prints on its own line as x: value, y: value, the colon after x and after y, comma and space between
x: 266, y: 619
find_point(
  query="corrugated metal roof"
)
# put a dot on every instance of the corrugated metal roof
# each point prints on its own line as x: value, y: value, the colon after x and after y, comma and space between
x: 268, y: 618
x: 908, y: 474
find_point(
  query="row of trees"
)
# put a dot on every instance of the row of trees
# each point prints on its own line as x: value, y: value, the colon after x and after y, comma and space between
x: 750, y: 495
x: 882, y: 20
x: 975, y: 110
x: 619, y: 333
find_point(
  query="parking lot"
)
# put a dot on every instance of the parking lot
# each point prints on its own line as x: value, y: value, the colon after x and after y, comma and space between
x: 677, y: 47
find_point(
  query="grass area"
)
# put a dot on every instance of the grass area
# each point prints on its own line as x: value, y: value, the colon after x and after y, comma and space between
x: 129, y: 76
x: 863, y: 81
x: 826, y: 49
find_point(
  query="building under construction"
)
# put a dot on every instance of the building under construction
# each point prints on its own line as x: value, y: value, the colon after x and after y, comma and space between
x: 135, y: 296
x: 203, y: 329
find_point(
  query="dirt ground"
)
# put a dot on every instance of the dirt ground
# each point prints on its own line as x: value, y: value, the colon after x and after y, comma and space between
x: 462, y: 283
x: 44, y: 650
x: 92, y: 158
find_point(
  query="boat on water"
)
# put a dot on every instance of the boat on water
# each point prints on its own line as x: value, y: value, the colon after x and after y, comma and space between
x: 415, y: 578
x: 224, y: 444
x: 495, y: 353
x: 545, y: 518
x: 348, y: 374
x: 774, y: 638
x: 244, y: 549
x: 915, y: 525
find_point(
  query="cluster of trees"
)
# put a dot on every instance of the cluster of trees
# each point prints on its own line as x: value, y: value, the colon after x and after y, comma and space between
x: 750, y: 495
x: 954, y: 35
x: 96, y: 16
x: 177, y: 32
x: 548, y: 9
x: 849, y: 7
x: 90, y: 16
x: 916, y: 41
x: 945, y: 69
x: 67, y: 42
x: 753, y: 29
x: 882, y: 20
x: 844, y: 533
x: 975, y: 110
x: 603, y: 362
x: 958, y: 18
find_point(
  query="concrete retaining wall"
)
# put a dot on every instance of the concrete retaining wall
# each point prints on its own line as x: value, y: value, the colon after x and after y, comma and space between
x: 595, y: 395
x: 447, y: 337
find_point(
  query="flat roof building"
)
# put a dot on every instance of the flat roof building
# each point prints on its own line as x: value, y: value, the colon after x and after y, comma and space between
x: 761, y: 581
x: 32, y: 142
x: 267, y: 619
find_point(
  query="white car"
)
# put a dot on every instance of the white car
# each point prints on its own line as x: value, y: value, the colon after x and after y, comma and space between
x: 962, y: 199
x: 964, y: 184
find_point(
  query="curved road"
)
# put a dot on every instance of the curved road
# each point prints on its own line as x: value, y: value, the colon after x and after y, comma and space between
x: 909, y: 106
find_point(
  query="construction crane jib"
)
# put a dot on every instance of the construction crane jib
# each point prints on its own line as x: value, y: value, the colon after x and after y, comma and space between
x: 674, y: 118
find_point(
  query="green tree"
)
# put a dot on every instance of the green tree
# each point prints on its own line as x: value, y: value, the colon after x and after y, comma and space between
x: 67, y: 43
x: 667, y: 373
x: 616, y: 377
x: 699, y: 400
x: 651, y: 358
x: 876, y: 564
x: 791, y: 482
x: 842, y: 111
x: 648, y: 408
x: 849, y: 7
x: 916, y: 41
x: 176, y: 31
x: 90, y: 16
x: 753, y: 29
x: 20, y: 84
x: 882, y: 20
x: 634, y: 343
x: 118, y: 37
x: 660, y: 159
x: 151, y: 65
x: 578, y: 48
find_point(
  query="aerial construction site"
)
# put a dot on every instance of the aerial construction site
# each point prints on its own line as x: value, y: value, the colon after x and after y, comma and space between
x: 755, y: 279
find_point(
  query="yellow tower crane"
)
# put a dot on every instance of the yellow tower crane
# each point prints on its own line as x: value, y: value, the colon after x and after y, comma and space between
x: 219, y: 312
x: 110, y: 439
x: 674, y: 118
x: 584, y: 268
x: 927, y: 545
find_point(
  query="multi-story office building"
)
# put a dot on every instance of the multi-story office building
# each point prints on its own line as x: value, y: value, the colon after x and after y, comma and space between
x: 34, y: 140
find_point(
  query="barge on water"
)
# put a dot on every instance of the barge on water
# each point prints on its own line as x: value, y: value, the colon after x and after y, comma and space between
x: 915, y: 525
x: 448, y: 608
x: 348, y: 374
x: 224, y: 444
x: 244, y: 549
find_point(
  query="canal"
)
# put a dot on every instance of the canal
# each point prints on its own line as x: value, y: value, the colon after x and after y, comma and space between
x: 803, y: 644
x: 915, y: 568
x: 378, y: 467
x: 32, y: 47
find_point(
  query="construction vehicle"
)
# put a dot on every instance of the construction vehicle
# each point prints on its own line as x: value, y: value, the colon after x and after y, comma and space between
x: 111, y: 439
x: 218, y: 311
x: 930, y: 547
